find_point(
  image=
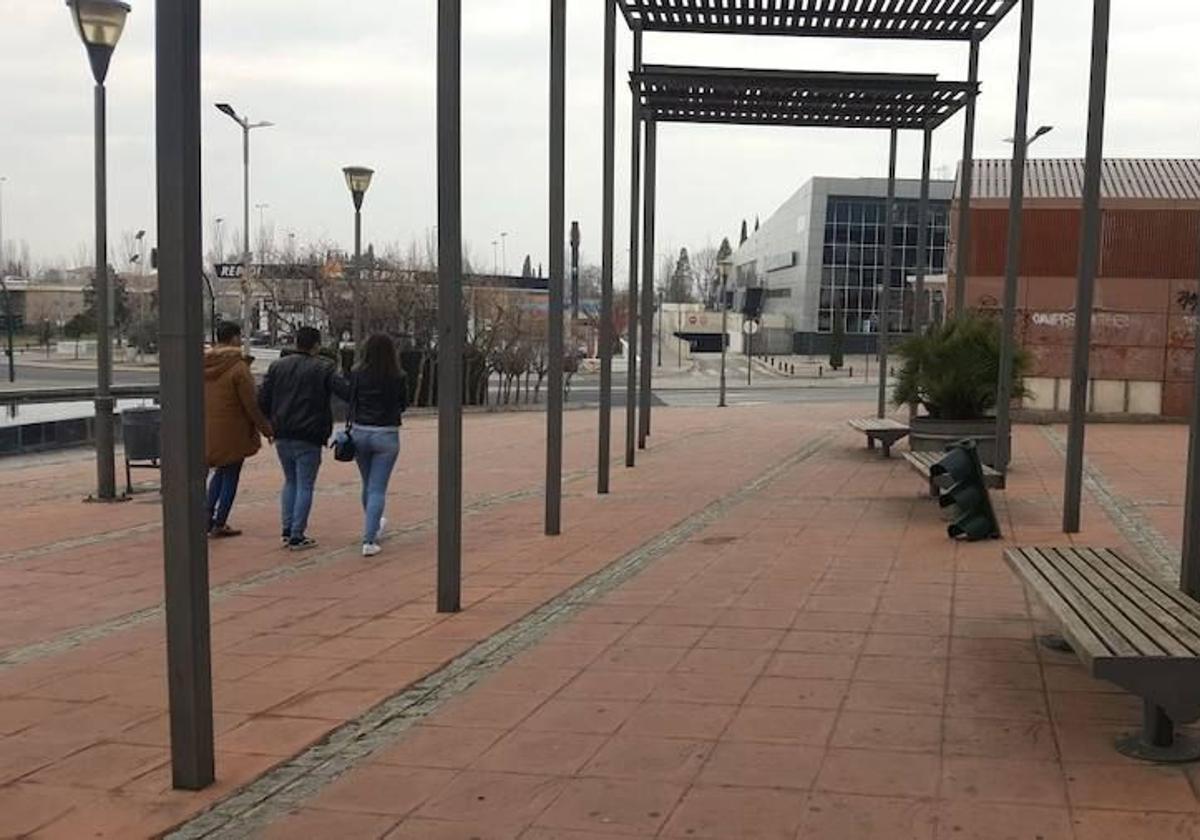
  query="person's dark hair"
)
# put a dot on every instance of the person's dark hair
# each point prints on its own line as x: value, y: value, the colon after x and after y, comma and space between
x: 307, y: 338
x: 379, y: 358
x: 227, y: 331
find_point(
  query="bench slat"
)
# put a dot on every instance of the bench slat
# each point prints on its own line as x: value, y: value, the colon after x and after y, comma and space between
x: 1077, y: 631
x: 1174, y: 611
x: 876, y: 425
x: 1121, y: 607
x: 1115, y: 639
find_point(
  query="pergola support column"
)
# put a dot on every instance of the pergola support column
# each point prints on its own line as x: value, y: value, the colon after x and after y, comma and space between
x: 1089, y: 264
x: 1012, y: 269
x: 647, y: 289
x: 557, y: 244
x: 967, y: 182
x: 635, y: 209
x: 604, y: 446
x: 884, y: 295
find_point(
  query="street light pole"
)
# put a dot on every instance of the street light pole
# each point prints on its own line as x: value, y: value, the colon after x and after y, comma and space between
x: 724, y: 324
x: 358, y: 179
x: 100, y: 23
x: 246, y: 126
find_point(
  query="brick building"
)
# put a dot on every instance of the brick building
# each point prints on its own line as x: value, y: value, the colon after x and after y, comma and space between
x: 1144, y: 324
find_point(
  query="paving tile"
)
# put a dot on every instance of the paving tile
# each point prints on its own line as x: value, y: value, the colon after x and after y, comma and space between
x: 438, y: 746
x: 773, y: 723
x: 419, y: 828
x: 627, y: 807
x: 309, y: 822
x: 1130, y: 787
x: 1032, y: 740
x: 623, y: 657
x: 380, y: 789
x: 599, y: 717
x: 822, y: 641
x: 831, y: 816
x: 680, y: 687
x: 487, y: 709
x: 664, y: 635
x: 818, y: 666
x: 744, y: 813
x: 1003, y: 780
x: 893, y: 669
x: 541, y: 753
x: 272, y: 735
x: 1125, y: 825
x: 906, y: 645
x: 674, y: 760
x: 910, y: 698
x: 798, y: 693
x: 719, y: 662
x: 679, y: 720
x: 102, y: 766
x: 979, y: 821
x: 753, y: 764
x: 612, y: 685
x: 880, y: 773
x: 27, y: 807
x: 500, y: 799
x: 873, y: 730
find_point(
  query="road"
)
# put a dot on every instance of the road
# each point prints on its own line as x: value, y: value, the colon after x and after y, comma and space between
x: 37, y: 376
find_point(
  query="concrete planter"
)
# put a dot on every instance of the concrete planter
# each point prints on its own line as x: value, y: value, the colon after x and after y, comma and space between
x: 930, y: 435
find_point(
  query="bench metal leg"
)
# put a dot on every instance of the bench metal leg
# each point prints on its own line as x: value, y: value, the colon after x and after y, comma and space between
x: 887, y: 448
x: 1158, y: 741
x: 870, y: 442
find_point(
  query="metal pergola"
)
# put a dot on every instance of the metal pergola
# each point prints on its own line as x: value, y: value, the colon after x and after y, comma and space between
x: 880, y: 101
x: 962, y: 21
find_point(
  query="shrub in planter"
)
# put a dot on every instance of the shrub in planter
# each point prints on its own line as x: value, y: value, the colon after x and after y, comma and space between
x: 952, y: 369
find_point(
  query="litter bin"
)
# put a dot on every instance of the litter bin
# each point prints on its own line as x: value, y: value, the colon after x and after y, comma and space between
x: 140, y: 429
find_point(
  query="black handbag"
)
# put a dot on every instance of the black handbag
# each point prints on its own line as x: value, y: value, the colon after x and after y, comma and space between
x: 344, y: 448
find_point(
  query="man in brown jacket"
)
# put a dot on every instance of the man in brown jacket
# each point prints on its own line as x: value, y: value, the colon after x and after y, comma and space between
x: 232, y: 424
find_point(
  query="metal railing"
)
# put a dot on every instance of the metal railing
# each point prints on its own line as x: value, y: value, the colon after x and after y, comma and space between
x: 87, y: 393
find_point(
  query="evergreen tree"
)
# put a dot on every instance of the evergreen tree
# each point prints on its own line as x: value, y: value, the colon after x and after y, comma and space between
x: 745, y: 233
x: 527, y: 267
x: 679, y: 288
x: 756, y: 224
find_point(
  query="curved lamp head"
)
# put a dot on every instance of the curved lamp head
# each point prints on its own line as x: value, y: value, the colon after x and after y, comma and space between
x: 358, y: 179
x: 99, y: 23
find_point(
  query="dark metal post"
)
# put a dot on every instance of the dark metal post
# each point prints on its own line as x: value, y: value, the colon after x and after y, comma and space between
x: 181, y: 341
x: 106, y: 469
x: 657, y: 323
x: 357, y: 289
x: 724, y: 329
x: 635, y: 180
x: 247, y: 327
x: 575, y: 271
x: 885, y: 293
x: 557, y: 245
x: 748, y: 337
x: 450, y: 316
x: 647, y: 290
x: 8, y: 322
x: 1016, y: 218
x: 1089, y: 259
x: 967, y: 181
x: 920, y: 308
x: 604, y: 449
x: 1190, y: 570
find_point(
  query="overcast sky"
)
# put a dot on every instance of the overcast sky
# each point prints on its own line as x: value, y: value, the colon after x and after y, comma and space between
x: 353, y: 83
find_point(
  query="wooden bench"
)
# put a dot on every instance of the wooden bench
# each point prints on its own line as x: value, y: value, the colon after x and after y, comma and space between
x: 1127, y: 627
x: 886, y: 430
x: 923, y: 463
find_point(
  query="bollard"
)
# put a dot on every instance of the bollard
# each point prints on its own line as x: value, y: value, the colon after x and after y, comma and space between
x: 851, y: 373
x: 820, y: 371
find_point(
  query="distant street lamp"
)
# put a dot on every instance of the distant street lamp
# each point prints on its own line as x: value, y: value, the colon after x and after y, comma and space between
x: 247, y: 126
x: 100, y: 23
x: 504, y: 252
x: 358, y: 179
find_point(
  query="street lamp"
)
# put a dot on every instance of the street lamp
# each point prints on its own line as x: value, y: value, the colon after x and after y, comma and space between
x: 1041, y: 132
x: 247, y: 126
x: 100, y: 23
x: 504, y: 251
x: 358, y: 179
x: 725, y: 264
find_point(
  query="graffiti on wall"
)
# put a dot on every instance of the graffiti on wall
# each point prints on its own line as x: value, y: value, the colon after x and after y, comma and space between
x: 1188, y: 301
x: 1066, y: 320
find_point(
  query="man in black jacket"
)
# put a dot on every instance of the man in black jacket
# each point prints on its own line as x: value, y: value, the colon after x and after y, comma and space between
x: 296, y: 395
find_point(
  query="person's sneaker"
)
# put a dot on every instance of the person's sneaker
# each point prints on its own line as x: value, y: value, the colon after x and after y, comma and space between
x: 220, y: 531
x: 286, y: 538
x: 371, y: 549
x: 382, y: 528
x: 302, y: 544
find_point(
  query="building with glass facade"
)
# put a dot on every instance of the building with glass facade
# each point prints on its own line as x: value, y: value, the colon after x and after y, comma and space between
x: 820, y: 256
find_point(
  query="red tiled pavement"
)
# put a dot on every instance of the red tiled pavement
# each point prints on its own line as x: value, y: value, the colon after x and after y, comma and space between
x: 819, y: 662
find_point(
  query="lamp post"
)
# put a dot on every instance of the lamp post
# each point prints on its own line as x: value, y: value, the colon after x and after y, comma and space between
x: 358, y: 179
x: 1029, y: 141
x: 100, y: 23
x: 247, y: 126
x: 725, y: 264
x: 504, y: 252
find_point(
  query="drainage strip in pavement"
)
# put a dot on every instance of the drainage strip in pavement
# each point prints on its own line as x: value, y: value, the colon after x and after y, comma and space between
x: 1152, y: 546
x: 271, y: 796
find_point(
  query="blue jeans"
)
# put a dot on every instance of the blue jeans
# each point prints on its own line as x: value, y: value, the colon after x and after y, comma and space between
x: 222, y: 490
x: 301, y: 461
x: 376, y: 451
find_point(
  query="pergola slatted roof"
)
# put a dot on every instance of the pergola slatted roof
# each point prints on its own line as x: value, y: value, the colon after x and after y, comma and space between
x: 922, y: 20
x: 794, y: 98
